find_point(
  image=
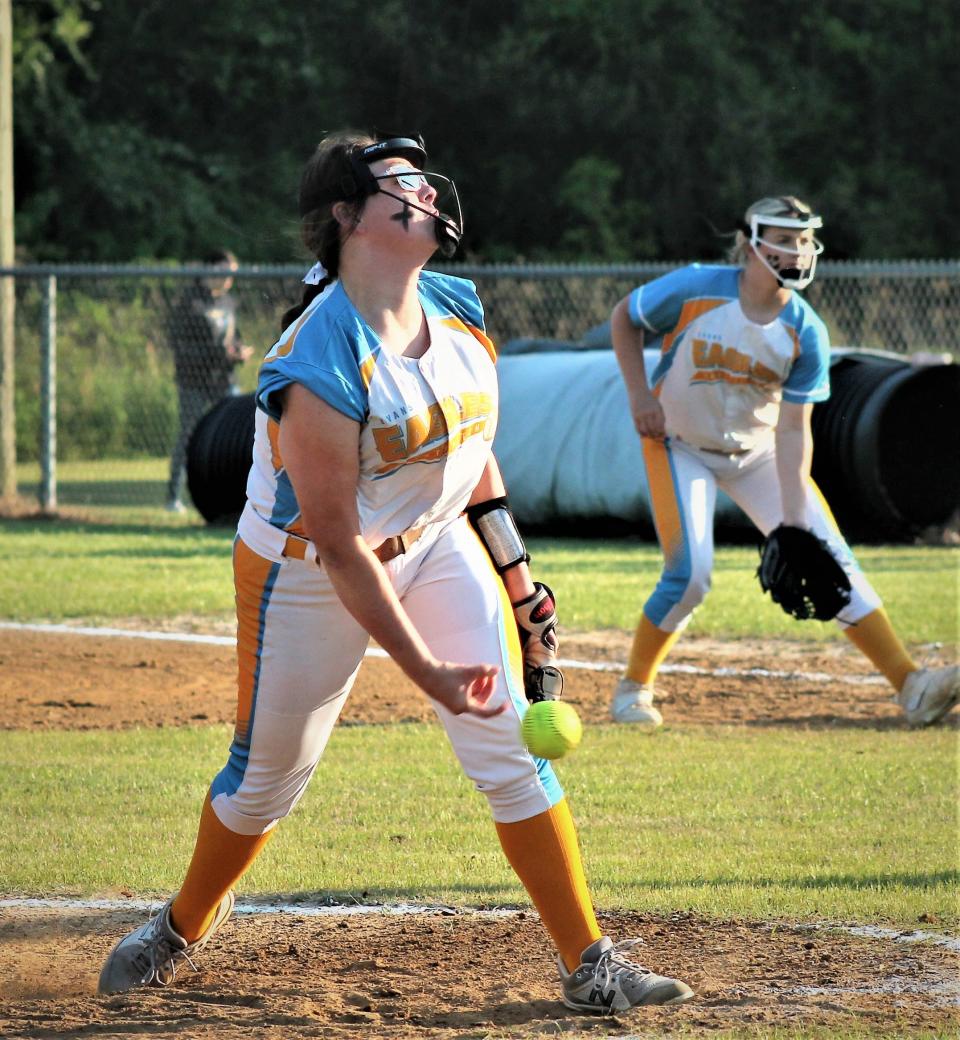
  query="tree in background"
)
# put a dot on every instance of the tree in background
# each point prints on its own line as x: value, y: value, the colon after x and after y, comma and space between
x: 576, y: 130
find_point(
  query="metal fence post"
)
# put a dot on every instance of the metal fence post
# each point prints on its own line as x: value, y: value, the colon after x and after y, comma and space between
x: 48, y: 398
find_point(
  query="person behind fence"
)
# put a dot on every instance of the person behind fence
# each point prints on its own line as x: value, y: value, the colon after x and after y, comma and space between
x: 376, y: 509
x: 743, y: 358
x: 202, y: 332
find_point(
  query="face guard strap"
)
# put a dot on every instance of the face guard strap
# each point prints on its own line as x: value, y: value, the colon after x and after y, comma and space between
x: 795, y: 277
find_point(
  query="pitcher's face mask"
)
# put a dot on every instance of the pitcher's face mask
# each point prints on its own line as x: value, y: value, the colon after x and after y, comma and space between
x: 447, y: 226
x: 799, y: 274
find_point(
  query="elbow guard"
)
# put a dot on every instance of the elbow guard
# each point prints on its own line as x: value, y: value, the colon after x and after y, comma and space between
x: 496, y: 528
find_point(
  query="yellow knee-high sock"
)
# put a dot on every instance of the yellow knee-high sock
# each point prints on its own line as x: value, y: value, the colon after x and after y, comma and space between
x: 545, y: 854
x: 220, y: 859
x: 874, y: 637
x: 650, y: 646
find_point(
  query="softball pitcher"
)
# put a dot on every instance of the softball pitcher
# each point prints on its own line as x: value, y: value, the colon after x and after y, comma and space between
x: 743, y: 361
x: 376, y: 508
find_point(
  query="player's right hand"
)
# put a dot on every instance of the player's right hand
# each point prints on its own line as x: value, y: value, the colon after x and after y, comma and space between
x: 536, y: 618
x: 648, y: 418
x: 465, y: 689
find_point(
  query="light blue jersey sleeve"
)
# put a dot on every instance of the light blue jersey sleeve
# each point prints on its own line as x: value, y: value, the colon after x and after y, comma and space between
x: 326, y: 351
x: 809, y: 378
x: 657, y: 305
x: 443, y: 294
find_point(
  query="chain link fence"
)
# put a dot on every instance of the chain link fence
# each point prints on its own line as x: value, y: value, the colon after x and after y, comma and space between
x: 110, y: 381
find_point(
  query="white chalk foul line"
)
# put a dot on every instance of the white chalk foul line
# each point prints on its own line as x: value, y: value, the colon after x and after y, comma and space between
x: 863, y: 931
x: 375, y: 651
x: 291, y: 909
x: 121, y: 633
x: 943, y: 991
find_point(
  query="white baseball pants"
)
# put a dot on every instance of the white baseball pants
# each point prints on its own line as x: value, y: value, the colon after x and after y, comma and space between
x: 299, y: 653
x: 683, y: 482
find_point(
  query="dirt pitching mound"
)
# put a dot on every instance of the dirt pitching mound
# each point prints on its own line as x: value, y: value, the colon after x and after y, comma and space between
x: 462, y: 975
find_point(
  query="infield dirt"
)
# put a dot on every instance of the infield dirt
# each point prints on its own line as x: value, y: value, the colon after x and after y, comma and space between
x: 66, y: 681
x: 454, y: 974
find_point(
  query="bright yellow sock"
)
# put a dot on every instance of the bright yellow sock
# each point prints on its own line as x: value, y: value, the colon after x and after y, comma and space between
x: 221, y: 857
x: 874, y: 637
x: 545, y: 854
x: 650, y: 646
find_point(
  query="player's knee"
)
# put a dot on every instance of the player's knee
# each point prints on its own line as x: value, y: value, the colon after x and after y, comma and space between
x: 254, y: 814
x: 696, y: 591
x: 684, y: 591
x: 241, y: 822
x: 522, y: 796
x: 255, y: 801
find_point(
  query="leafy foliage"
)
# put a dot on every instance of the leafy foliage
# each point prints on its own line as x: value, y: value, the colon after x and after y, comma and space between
x: 575, y: 130
x: 116, y: 395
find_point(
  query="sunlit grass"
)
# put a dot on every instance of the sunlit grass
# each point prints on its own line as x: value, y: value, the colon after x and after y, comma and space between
x: 143, y: 562
x: 725, y: 822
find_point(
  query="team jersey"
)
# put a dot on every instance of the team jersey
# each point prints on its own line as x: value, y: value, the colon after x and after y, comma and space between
x: 426, y: 424
x: 721, y: 377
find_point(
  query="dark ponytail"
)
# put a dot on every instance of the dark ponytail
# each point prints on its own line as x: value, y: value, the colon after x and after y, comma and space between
x: 310, y: 293
x: 320, y: 184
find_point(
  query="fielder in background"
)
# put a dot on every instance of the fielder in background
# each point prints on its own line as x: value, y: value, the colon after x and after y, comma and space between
x: 376, y: 508
x: 207, y: 349
x: 743, y: 360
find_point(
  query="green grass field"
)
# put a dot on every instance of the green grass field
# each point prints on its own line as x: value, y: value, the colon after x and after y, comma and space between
x: 848, y: 825
x: 732, y: 821
x: 133, y: 560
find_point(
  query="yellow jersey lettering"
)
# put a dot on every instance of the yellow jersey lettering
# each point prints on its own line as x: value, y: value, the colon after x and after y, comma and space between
x: 389, y: 442
x: 762, y: 374
x: 418, y: 431
x: 734, y: 361
x: 450, y: 422
x: 715, y: 355
x: 719, y: 364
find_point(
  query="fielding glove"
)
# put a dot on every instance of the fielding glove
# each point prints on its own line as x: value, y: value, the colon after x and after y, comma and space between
x: 536, y: 618
x: 802, y: 575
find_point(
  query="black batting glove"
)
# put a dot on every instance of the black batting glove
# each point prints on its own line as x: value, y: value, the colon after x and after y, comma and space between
x: 536, y: 618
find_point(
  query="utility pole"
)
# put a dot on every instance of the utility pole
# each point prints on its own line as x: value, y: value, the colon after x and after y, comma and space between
x: 8, y: 443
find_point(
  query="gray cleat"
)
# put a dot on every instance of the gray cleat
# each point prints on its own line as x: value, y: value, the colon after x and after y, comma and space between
x: 148, y: 956
x: 633, y: 703
x: 607, y: 981
x: 929, y: 693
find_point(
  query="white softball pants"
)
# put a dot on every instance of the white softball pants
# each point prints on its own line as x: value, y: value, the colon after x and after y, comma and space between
x: 683, y: 483
x: 299, y: 653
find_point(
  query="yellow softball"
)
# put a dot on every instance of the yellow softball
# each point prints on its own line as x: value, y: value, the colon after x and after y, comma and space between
x: 550, y: 729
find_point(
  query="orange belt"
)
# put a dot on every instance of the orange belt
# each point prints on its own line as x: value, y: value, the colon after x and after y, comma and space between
x: 296, y: 548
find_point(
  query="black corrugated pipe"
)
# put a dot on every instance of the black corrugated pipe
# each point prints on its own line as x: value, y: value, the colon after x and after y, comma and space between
x: 218, y: 459
x: 886, y: 446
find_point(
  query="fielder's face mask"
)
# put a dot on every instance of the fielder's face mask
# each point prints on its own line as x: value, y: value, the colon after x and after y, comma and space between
x: 800, y: 274
x: 447, y: 228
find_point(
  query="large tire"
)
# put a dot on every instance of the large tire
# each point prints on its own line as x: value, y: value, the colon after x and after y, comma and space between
x: 218, y: 459
x: 886, y: 446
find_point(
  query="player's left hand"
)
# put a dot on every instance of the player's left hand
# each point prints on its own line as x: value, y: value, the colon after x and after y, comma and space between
x: 536, y: 618
x: 802, y: 575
